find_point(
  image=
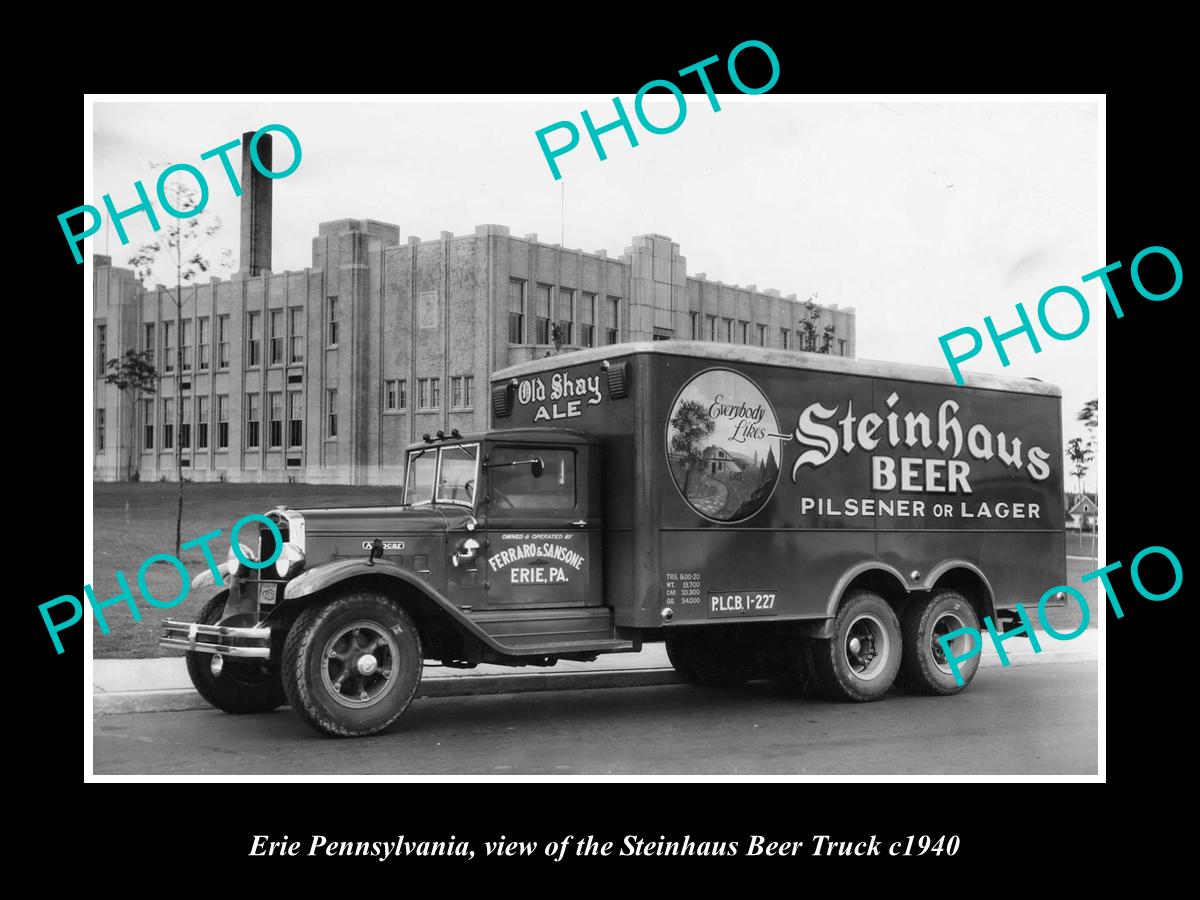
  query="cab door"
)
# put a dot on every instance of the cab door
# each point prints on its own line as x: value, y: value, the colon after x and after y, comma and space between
x: 543, y: 527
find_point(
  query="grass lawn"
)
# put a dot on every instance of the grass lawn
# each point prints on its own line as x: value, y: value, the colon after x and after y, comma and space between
x: 135, y: 521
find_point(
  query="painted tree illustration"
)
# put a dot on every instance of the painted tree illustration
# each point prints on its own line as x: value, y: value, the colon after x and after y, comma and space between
x: 133, y: 374
x: 178, y: 256
x: 692, y: 424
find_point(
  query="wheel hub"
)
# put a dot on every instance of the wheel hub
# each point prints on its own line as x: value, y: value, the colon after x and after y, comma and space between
x: 357, y: 663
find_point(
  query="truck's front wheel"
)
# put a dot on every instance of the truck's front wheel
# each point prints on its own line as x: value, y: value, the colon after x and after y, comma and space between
x: 351, y: 665
x: 862, y: 658
x: 232, y: 685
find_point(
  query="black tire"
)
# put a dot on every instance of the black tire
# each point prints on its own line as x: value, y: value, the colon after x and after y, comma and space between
x: 842, y: 673
x: 923, y: 668
x: 244, y: 685
x: 321, y: 672
x: 702, y: 656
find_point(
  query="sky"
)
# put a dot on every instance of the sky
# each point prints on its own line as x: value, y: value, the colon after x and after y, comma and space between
x: 922, y: 216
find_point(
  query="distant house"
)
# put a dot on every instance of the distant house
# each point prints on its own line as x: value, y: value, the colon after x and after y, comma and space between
x: 719, y: 462
x: 1082, y: 510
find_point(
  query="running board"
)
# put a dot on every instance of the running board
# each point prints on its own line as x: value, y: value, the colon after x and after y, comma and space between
x: 551, y: 632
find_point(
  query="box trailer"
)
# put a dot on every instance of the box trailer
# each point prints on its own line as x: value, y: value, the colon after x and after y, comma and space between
x: 767, y: 514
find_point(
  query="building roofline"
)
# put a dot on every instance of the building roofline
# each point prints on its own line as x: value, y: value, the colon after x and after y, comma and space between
x: 790, y: 359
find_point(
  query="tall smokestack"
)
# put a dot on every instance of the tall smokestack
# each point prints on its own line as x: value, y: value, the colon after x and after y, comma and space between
x: 256, y: 208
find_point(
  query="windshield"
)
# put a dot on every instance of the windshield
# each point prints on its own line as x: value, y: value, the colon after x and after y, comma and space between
x: 456, y: 484
x: 418, y: 485
x: 453, y: 469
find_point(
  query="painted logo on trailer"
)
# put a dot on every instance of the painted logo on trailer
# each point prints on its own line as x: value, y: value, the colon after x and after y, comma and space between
x: 723, y: 445
x: 565, y: 398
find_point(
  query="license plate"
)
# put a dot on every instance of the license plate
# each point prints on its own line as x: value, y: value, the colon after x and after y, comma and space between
x: 266, y: 593
x: 741, y: 603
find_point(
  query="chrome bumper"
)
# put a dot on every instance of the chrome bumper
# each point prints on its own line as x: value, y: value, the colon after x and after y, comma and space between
x: 253, y: 643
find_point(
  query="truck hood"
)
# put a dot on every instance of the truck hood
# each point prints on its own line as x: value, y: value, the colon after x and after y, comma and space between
x: 383, y: 521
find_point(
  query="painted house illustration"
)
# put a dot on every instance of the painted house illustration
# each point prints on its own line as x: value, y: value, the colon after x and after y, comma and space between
x: 719, y: 462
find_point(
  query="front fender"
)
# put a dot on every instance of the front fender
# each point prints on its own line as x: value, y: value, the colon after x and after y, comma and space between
x: 325, y: 576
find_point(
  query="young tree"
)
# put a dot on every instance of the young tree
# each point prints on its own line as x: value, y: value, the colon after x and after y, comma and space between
x: 1080, y: 456
x: 692, y: 424
x: 135, y: 375
x: 178, y: 253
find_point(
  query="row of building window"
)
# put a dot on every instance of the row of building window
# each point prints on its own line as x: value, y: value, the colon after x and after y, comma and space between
x: 576, y: 315
x: 726, y: 332
x: 254, y: 422
x: 429, y: 393
x: 281, y: 346
x: 462, y: 390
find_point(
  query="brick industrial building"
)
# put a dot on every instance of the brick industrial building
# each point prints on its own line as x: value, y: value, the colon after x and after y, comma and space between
x: 324, y: 374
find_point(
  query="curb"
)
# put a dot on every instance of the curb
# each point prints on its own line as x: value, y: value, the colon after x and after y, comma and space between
x: 184, y: 699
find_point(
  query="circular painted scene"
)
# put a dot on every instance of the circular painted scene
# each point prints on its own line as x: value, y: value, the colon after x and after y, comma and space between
x: 723, y: 445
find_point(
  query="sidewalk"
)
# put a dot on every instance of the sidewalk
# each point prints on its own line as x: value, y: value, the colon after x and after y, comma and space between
x: 162, y: 685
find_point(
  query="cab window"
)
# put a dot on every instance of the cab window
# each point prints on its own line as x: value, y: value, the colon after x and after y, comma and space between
x: 515, y: 486
x: 422, y: 468
x: 456, y: 481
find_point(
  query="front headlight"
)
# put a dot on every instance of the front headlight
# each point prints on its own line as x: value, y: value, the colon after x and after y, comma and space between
x: 290, y: 561
x: 235, y: 565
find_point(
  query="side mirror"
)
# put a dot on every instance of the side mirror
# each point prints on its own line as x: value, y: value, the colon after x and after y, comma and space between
x: 537, y: 467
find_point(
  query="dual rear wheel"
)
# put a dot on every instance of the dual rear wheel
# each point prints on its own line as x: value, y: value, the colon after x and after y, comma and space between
x: 870, y: 650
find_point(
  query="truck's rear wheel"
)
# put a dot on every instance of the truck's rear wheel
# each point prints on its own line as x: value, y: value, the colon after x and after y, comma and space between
x: 923, y: 667
x: 232, y: 685
x: 862, y: 658
x: 351, y: 665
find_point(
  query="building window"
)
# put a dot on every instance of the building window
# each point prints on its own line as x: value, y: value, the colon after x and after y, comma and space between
x: 516, y: 311
x: 542, y: 315
x: 99, y: 430
x: 205, y: 344
x: 745, y: 332
x: 842, y: 346
x: 729, y: 331
x: 185, y: 345
x: 222, y: 342
x: 276, y: 348
x: 762, y: 335
x: 275, y: 423
x: 785, y: 338
x: 331, y: 415
x: 101, y: 348
x: 185, y: 424
x: 712, y: 328
x: 613, y: 326
x: 147, y: 424
x: 566, y: 314
x: 253, y: 339
x: 148, y: 344
x: 168, y: 441
x: 429, y: 393
x: 462, y: 387
x: 695, y: 317
x: 253, y: 421
x: 168, y: 333
x: 587, y: 320
x: 201, y: 423
x: 331, y: 323
x: 296, y: 334
x: 395, y: 394
x: 295, y: 419
x: 222, y: 421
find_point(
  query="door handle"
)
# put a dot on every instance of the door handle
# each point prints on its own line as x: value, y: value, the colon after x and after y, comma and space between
x: 581, y: 523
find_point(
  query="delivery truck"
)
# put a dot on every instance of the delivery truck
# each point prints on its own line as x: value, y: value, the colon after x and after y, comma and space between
x: 767, y: 514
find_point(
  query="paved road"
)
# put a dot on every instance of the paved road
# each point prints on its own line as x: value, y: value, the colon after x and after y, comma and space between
x: 1029, y: 720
